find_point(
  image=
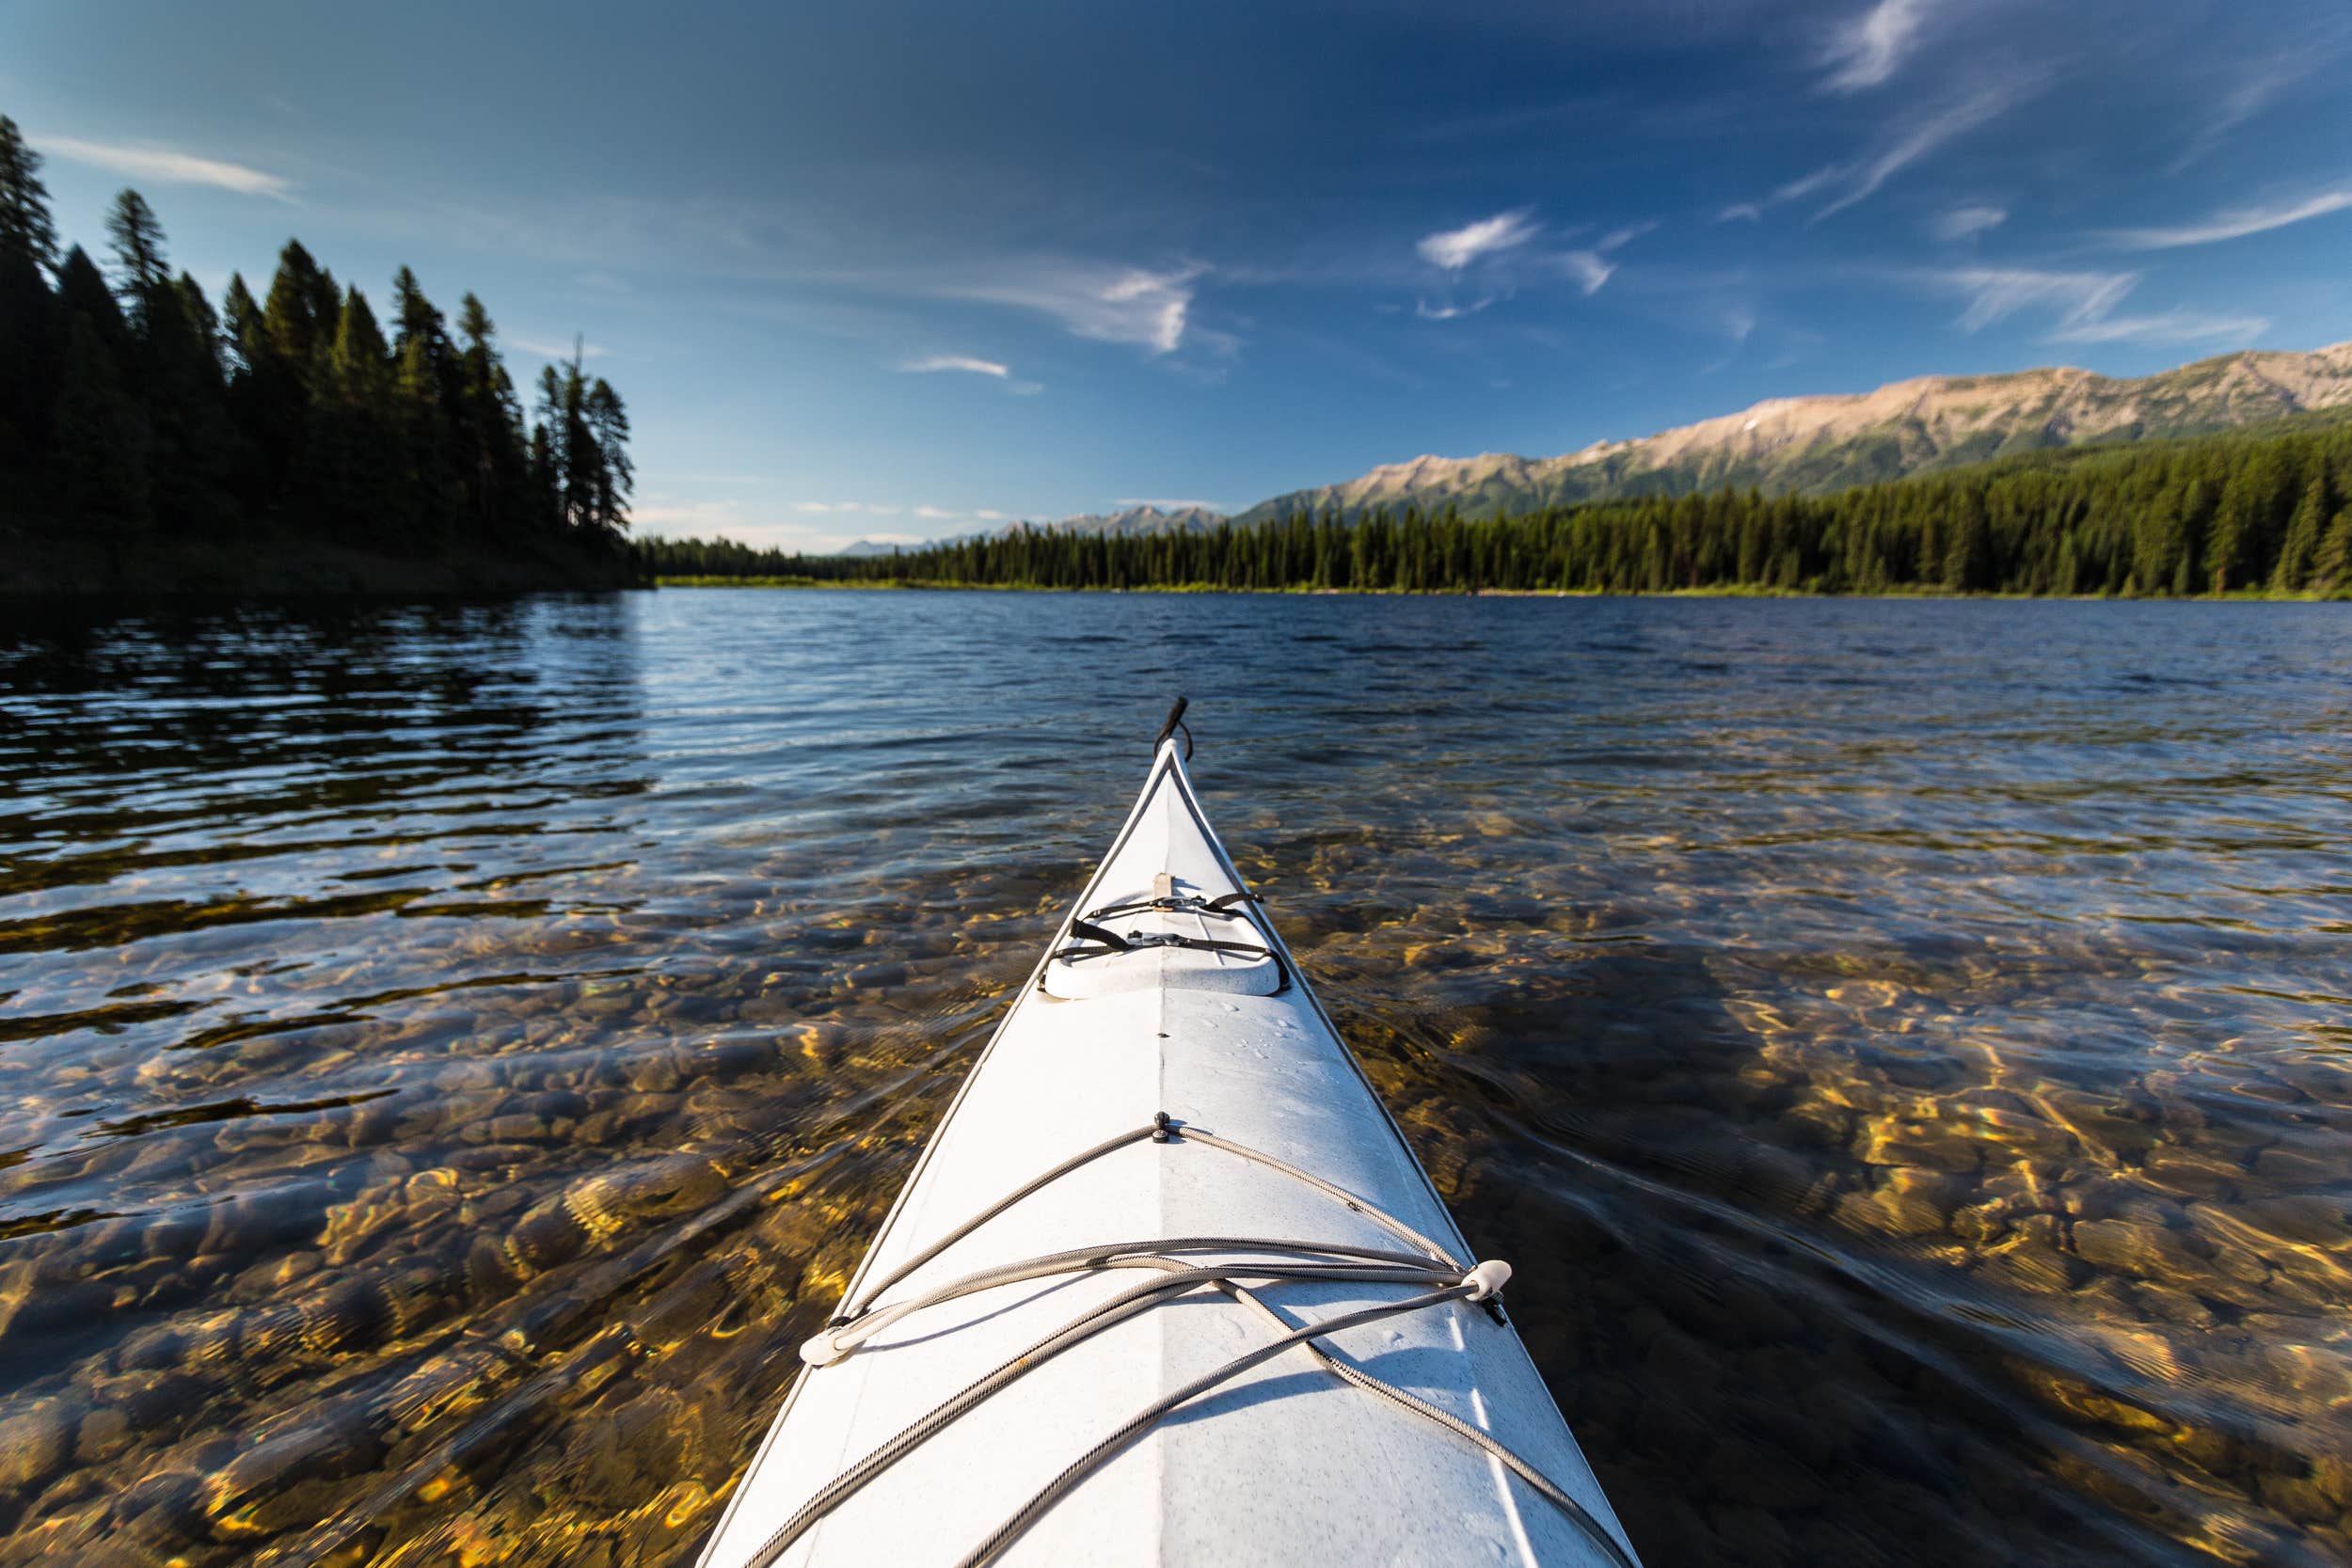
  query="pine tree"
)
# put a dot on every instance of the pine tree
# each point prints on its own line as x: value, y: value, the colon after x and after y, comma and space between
x: 101, y: 439
x: 357, y: 467
x: 300, y: 318
x: 25, y: 229
x: 493, y: 459
x: 241, y: 325
x: 29, y: 323
x: 1966, y: 564
x: 616, y: 478
x: 2333, y: 570
x: 424, y: 395
x: 138, y: 241
x: 2301, y: 544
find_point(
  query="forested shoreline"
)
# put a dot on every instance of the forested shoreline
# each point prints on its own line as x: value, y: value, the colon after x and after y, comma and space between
x: 149, y: 440
x: 2265, y: 512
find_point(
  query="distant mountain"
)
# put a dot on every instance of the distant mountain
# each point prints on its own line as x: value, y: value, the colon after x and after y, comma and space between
x: 1816, y: 444
x: 1134, y: 521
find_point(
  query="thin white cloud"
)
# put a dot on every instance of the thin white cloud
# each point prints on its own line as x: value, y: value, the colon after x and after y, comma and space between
x: 873, y: 509
x: 728, y: 520
x: 1966, y: 223
x: 1170, y: 505
x: 166, y: 165
x: 988, y: 515
x: 1587, y: 269
x: 1456, y: 248
x: 2084, y: 305
x: 1995, y: 293
x: 934, y: 513
x: 1449, y: 311
x: 2174, y: 326
x: 937, y: 362
x: 1112, y: 305
x: 2257, y: 85
x: 1867, y: 50
x: 1861, y: 178
x: 548, y: 348
x: 1741, y: 211
x: 2234, y: 224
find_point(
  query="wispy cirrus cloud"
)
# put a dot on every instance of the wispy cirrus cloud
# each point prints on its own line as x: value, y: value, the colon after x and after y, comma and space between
x: 2255, y: 84
x: 1996, y: 294
x: 1148, y: 308
x: 2171, y: 326
x: 1858, y: 179
x: 1456, y: 248
x: 663, y: 516
x: 1504, y: 253
x: 1167, y: 505
x: 2234, y: 224
x: 933, y: 364
x: 1589, y: 268
x: 1452, y: 310
x: 2082, y: 305
x: 168, y: 166
x: 550, y: 348
x: 1867, y: 50
x: 1966, y: 222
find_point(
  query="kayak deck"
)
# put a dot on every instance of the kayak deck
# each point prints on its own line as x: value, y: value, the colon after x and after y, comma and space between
x: 1286, y: 1462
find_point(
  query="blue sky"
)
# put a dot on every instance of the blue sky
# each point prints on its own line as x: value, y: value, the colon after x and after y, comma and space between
x: 899, y: 270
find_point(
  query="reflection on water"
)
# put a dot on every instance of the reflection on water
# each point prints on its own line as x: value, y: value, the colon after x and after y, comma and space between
x: 448, y: 1055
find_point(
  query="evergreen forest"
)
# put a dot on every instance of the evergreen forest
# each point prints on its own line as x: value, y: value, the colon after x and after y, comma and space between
x: 137, y: 417
x: 2259, y: 510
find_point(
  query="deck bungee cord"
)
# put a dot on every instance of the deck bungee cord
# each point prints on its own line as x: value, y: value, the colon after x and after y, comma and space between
x: 1164, y: 900
x: 1432, y: 1266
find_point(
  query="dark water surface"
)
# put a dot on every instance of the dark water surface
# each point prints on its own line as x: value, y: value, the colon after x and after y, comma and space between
x: 450, y: 1056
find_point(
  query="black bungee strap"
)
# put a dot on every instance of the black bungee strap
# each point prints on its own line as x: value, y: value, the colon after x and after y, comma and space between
x: 1223, y: 905
x: 1174, y: 724
x: 1108, y: 942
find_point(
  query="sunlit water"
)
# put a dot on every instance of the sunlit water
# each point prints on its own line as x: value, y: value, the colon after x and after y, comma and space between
x: 448, y: 1055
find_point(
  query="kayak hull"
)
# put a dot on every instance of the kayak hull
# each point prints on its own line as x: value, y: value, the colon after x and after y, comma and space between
x: 1286, y: 1464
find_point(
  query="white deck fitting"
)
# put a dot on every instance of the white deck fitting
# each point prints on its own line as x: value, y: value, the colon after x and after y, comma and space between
x: 1287, y: 1464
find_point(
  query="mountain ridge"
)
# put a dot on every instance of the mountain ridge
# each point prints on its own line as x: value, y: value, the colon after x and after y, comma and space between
x: 1809, y: 443
x: 1825, y: 442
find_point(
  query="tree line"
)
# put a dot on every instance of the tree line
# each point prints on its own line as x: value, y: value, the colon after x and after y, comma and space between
x: 2243, y: 512
x: 133, y: 411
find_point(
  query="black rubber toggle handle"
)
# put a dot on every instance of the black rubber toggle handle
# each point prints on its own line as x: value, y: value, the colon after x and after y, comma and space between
x: 1175, y: 717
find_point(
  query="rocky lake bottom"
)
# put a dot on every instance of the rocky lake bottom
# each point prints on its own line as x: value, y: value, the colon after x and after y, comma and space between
x: 451, y: 1055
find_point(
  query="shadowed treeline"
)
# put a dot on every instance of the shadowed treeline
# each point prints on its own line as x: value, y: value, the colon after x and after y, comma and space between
x: 2266, y: 512
x: 137, y: 422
